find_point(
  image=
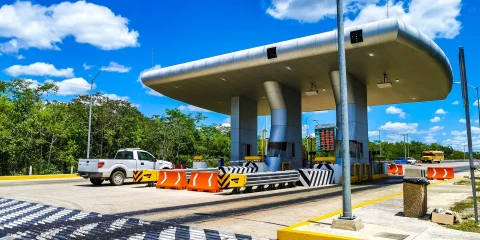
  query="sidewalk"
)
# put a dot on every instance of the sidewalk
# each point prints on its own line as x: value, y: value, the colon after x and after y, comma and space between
x: 384, y: 219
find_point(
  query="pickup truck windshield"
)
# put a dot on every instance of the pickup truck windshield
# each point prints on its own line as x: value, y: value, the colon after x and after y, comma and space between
x: 124, y: 155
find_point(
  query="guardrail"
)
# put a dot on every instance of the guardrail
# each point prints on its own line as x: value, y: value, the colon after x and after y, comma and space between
x: 272, y: 180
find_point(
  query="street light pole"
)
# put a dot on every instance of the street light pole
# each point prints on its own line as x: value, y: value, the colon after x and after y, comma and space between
x: 345, y: 150
x: 307, y: 137
x: 380, y: 142
x: 466, y: 105
x: 478, y: 101
x: 90, y: 115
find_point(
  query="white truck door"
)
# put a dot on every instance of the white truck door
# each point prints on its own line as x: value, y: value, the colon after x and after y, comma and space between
x: 146, y: 161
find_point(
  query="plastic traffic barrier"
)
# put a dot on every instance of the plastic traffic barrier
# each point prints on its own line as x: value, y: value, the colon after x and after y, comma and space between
x: 204, y: 182
x: 231, y: 180
x: 172, y: 179
x: 145, y: 176
x: 440, y: 173
x: 395, y: 169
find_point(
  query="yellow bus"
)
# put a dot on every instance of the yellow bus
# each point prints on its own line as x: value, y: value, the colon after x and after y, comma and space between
x: 432, y: 156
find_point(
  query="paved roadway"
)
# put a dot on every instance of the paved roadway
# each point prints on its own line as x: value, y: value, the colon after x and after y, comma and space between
x: 256, y: 214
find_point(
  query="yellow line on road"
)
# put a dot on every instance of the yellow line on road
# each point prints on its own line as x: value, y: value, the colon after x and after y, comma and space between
x: 29, y: 177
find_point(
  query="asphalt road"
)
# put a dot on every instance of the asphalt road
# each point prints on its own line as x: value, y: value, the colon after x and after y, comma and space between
x: 258, y: 214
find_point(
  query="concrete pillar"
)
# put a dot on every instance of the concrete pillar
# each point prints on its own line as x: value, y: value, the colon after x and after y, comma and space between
x: 243, y: 133
x: 285, y: 143
x: 357, y: 118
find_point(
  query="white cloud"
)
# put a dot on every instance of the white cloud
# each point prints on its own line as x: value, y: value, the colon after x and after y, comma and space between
x: 154, y: 93
x: 462, y: 120
x: 444, y: 134
x: 475, y: 130
x: 437, y: 19
x: 38, y: 69
x: 20, y: 57
x: 395, y: 110
x: 436, y: 128
x: 226, y: 122
x: 368, y: 109
x: 400, y: 127
x: 435, y: 119
x: 430, y: 138
x: 149, y: 91
x: 455, y: 102
x: 303, y: 10
x: 372, y: 133
x: 115, y: 97
x: 191, y: 108
x: 26, y: 25
x: 304, y: 130
x: 317, y: 112
x: 440, y: 111
x: 72, y: 86
x: 475, y: 103
x: 86, y: 66
x: 115, y: 67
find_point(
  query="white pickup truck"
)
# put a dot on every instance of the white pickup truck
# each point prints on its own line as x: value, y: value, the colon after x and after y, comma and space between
x: 122, y: 166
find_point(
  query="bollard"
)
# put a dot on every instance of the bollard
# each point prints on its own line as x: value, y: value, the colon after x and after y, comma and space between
x: 30, y: 170
x: 71, y: 170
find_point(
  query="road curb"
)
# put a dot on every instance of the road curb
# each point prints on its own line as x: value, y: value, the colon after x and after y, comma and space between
x: 31, y: 177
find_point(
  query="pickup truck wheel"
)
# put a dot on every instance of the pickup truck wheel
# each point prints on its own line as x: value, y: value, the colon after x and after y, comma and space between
x: 117, y: 178
x: 96, y: 181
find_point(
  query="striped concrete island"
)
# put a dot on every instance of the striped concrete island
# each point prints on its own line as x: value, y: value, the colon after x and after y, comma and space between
x: 26, y: 220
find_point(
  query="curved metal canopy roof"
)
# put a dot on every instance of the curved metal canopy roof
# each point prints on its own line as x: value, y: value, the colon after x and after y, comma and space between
x: 418, y: 69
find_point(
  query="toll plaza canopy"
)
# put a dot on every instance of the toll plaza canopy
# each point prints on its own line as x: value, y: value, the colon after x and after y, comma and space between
x: 416, y: 68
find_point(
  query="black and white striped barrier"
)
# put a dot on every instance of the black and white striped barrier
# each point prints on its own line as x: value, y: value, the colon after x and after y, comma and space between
x: 234, y: 169
x: 315, y: 177
x: 336, y: 168
x: 27, y: 220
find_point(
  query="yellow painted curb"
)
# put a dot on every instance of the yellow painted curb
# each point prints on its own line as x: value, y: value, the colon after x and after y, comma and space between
x: 29, y: 177
x: 290, y: 232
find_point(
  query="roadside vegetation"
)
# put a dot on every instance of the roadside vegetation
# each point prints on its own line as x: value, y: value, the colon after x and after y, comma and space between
x: 465, y: 210
x: 51, y: 136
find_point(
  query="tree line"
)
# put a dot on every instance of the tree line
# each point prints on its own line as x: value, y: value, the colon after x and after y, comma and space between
x: 51, y: 136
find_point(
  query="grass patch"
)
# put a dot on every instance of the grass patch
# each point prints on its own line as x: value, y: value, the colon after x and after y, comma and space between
x: 464, y: 204
x: 466, y: 226
x: 468, y: 182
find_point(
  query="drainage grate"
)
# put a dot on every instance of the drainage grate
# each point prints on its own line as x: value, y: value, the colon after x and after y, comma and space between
x: 395, y: 236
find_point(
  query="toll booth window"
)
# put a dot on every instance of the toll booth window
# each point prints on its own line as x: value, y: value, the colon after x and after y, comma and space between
x: 360, y: 149
x: 353, y: 149
x: 277, y: 149
x: 293, y: 150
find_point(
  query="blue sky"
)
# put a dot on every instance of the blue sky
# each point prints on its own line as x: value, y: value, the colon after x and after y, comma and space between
x: 68, y: 42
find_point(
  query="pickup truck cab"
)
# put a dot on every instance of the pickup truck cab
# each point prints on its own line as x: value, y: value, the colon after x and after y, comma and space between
x: 122, y: 166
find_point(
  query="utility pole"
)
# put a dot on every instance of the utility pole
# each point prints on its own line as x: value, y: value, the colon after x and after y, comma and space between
x: 405, y: 145
x: 90, y: 115
x: 466, y: 105
x: 345, y: 151
x: 152, y: 54
x: 380, y: 142
x: 464, y: 158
